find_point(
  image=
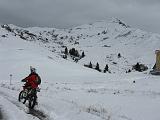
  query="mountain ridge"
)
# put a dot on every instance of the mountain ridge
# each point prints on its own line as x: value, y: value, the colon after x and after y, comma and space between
x: 101, y: 41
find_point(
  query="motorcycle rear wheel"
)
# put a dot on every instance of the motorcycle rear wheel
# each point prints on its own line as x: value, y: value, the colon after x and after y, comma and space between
x: 32, y: 101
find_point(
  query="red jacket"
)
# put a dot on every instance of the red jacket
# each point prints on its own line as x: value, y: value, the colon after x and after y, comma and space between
x: 31, y: 80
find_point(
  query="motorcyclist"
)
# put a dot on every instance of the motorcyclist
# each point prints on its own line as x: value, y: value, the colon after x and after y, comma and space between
x: 32, y: 81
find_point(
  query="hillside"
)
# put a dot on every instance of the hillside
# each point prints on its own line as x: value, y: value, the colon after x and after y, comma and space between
x: 101, y: 42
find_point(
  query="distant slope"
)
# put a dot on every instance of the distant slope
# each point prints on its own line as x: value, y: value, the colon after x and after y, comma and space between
x: 100, y: 41
x: 17, y: 55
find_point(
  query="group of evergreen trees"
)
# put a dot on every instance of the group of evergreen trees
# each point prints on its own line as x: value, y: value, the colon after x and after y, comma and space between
x: 137, y: 67
x: 73, y: 53
x: 140, y: 67
x: 97, y: 67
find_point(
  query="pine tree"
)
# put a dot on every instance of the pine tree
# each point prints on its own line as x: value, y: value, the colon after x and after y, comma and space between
x: 72, y: 51
x: 97, y: 67
x: 137, y: 67
x: 90, y: 65
x: 119, y: 55
x: 129, y: 71
x: 66, y: 51
x: 83, y: 54
x: 106, y: 68
x: 76, y: 53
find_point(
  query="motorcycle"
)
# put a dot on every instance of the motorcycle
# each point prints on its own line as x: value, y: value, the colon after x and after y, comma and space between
x: 28, y: 94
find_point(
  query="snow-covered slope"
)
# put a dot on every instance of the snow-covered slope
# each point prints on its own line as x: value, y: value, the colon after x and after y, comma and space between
x: 71, y: 91
x: 101, y: 42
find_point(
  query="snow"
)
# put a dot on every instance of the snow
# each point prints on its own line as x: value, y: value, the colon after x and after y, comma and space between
x: 70, y: 91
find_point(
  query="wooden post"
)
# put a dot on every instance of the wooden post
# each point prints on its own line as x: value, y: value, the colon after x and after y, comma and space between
x: 10, y: 79
x: 158, y: 60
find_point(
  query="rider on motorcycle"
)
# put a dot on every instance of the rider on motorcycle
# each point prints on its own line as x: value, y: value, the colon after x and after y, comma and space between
x: 32, y: 81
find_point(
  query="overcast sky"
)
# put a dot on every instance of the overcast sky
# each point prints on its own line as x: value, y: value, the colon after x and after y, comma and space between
x: 143, y: 14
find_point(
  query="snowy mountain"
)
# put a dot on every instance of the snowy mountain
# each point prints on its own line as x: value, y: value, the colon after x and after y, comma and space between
x: 71, y: 91
x: 101, y: 42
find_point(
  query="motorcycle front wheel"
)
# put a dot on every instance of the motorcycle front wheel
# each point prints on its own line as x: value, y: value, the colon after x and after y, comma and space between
x: 21, y: 97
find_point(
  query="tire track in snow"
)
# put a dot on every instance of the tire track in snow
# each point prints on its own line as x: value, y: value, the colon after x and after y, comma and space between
x: 36, y: 113
x: 39, y: 114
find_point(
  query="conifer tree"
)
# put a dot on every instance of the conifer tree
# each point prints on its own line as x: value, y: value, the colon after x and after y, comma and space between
x: 106, y: 68
x: 97, y: 67
x: 83, y: 54
x: 90, y: 65
x: 66, y: 51
x: 119, y: 55
x: 137, y: 67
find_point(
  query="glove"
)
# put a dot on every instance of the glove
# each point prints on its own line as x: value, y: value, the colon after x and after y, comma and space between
x: 23, y: 80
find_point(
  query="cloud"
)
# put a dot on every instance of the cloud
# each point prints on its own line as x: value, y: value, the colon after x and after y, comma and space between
x: 68, y: 13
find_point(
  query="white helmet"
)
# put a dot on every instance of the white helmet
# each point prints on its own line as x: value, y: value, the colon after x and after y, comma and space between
x: 33, y: 70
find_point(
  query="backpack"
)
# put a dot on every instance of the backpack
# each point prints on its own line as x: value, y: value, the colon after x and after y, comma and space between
x: 38, y: 80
